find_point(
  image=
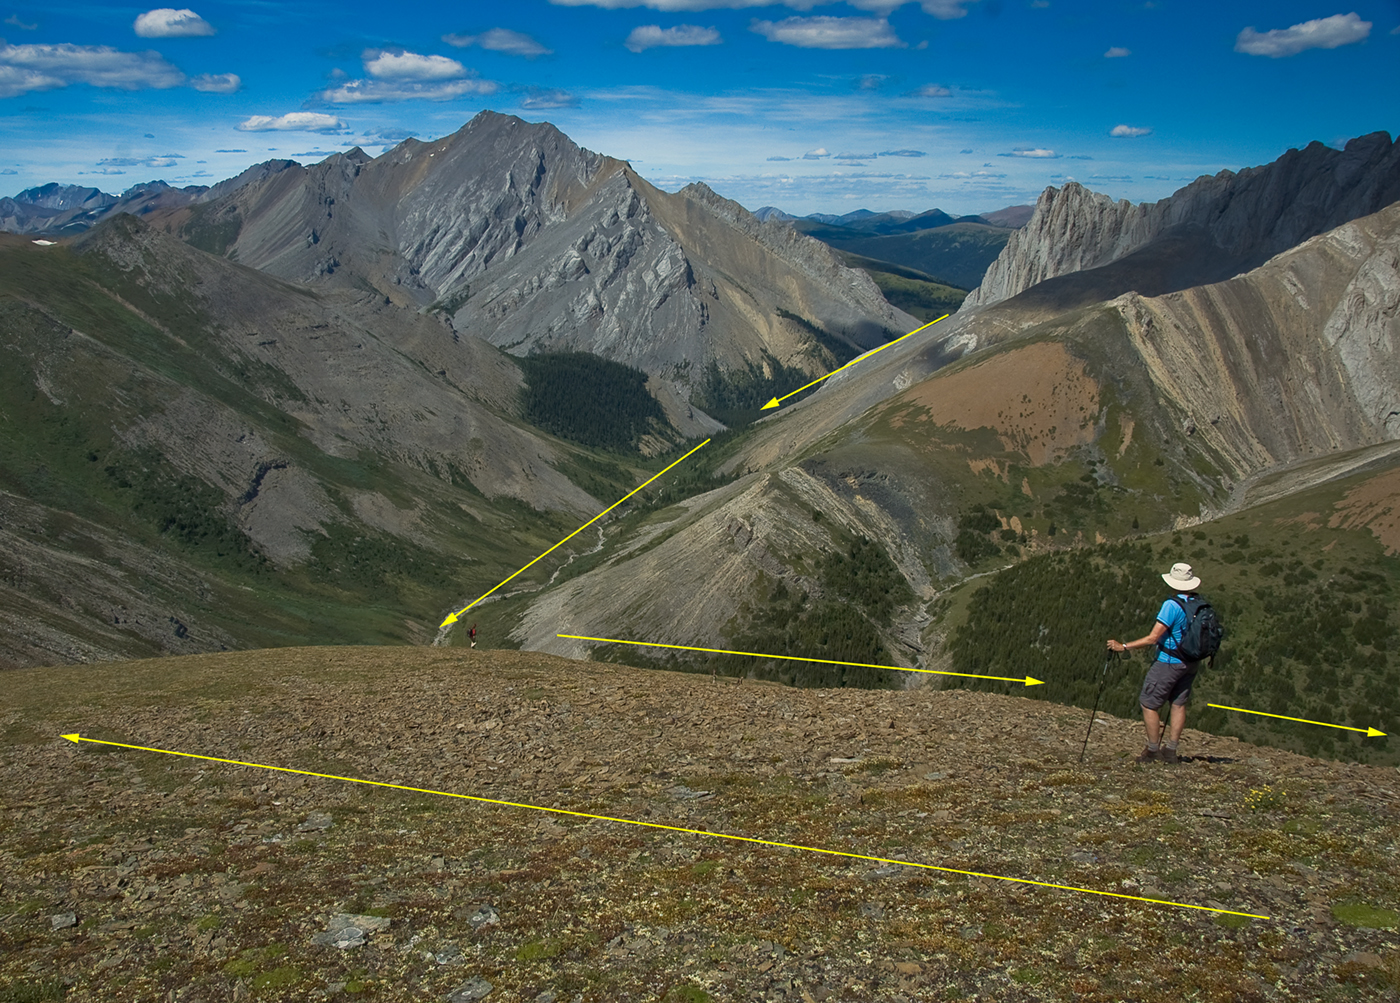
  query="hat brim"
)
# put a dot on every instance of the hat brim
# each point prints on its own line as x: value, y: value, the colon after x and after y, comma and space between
x: 1190, y: 585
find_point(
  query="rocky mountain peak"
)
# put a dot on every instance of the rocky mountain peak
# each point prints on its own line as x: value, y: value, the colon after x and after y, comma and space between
x: 56, y: 196
x: 1216, y: 227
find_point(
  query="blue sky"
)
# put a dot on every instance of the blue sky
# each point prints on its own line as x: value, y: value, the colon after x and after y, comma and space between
x: 965, y: 105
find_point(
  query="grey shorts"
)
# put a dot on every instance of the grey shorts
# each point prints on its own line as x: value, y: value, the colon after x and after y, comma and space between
x: 1168, y: 681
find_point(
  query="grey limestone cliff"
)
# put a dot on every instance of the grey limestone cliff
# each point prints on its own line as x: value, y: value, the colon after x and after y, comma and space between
x: 1212, y: 229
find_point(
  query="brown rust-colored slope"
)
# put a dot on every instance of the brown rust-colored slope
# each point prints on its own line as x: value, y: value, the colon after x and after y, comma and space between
x: 1039, y: 400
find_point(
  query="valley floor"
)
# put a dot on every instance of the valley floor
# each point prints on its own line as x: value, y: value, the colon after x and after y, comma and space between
x: 128, y: 875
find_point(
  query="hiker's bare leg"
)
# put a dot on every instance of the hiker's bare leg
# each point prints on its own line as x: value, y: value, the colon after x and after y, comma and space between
x: 1153, y: 723
x: 1178, y: 721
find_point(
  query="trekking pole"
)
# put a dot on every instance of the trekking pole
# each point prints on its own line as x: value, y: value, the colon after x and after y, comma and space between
x: 1103, y: 680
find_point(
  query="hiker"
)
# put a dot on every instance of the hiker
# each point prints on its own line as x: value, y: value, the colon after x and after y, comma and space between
x: 1169, y: 679
x: 472, y: 635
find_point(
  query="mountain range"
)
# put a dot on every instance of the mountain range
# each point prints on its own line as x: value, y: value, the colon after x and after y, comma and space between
x: 333, y: 403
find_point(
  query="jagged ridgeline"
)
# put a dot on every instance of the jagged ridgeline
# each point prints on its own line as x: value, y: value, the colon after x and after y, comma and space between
x: 839, y: 616
x: 591, y: 400
x: 1311, y: 636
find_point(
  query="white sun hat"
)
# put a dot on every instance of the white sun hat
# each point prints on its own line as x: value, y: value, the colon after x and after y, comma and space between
x: 1181, y: 578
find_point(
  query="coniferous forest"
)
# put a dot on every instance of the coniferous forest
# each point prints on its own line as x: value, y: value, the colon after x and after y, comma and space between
x: 590, y: 400
x: 1314, y: 640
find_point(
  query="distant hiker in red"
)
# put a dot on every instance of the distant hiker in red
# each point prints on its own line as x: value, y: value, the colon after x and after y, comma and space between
x: 472, y: 634
x: 1170, y: 678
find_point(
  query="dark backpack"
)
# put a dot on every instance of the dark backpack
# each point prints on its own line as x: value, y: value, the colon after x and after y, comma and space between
x: 1200, y: 639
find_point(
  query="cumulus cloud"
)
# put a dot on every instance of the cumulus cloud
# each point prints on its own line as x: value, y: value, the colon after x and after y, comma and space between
x: 856, y: 156
x: 397, y: 75
x: 1117, y: 52
x: 780, y: 158
x: 830, y: 32
x: 901, y: 153
x: 548, y: 97
x: 931, y: 91
x: 650, y: 36
x: 1323, y: 33
x: 514, y: 43
x: 1033, y: 152
x: 1129, y: 131
x: 818, y: 154
x: 25, y: 68
x: 217, y: 83
x: 297, y: 121
x: 166, y: 22
x: 399, y: 65
x: 230, y: 151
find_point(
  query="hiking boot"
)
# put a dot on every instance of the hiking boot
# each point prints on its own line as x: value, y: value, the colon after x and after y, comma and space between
x: 1169, y: 755
x: 1148, y: 755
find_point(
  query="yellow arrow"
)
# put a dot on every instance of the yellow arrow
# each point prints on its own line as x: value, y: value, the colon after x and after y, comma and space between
x: 1369, y: 732
x: 452, y: 617
x: 669, y: 828
x: 778, y: 400
x: 1027, y: 680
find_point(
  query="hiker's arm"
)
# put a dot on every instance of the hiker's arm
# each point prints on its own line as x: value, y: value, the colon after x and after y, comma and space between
x: 1158, y: 629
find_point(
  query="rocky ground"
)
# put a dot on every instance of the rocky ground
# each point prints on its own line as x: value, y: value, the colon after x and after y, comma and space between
x: 128, y: 875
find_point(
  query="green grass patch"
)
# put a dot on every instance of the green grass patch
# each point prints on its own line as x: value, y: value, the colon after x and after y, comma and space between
x: 540, y: 950
x: 687, y: 993
x: 1365, y: 915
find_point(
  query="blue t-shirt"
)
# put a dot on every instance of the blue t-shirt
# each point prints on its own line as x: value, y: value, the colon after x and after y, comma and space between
x: 1174, y: 617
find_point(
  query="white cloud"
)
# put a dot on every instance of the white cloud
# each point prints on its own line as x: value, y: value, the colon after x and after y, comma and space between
x: 650, y: 36
x: 947, y: 10
x: 14, y: 20
x: 548, y: 97
x: 386, y: 91
x: 780, y: 158
x: 931, y: 91
x: 25, y: 68
x: 901, y: 153
x: 1117, y: 52
x: 818, y: 154
x: 388, y: 65
x: 514, y: 43
x: 297, y: 121
x: 166, y: 22
x: 1035, y: 153
x: 164, y: 160
x: 830, y: 32
x: 1129, y: 131
x: 217, y: 83
x: 1323, y: 33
